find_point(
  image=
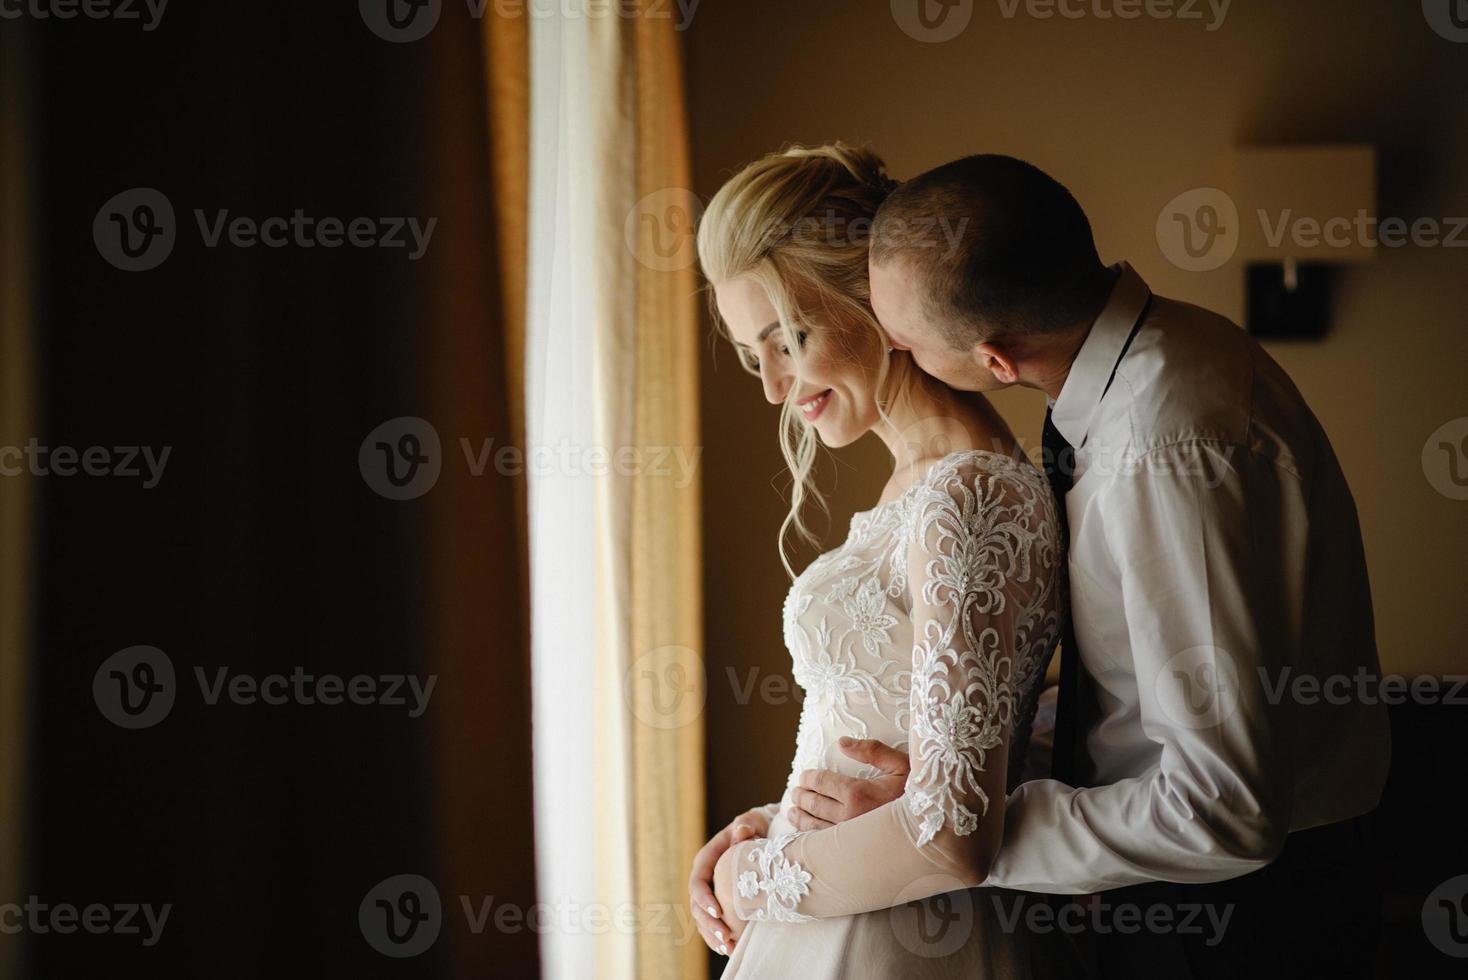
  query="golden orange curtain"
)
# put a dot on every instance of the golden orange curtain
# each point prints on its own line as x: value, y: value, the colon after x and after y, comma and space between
x: 651, y: 534
x: 475, y: 537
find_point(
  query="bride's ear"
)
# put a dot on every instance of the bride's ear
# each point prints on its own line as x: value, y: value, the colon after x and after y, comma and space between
x: 996, y: 361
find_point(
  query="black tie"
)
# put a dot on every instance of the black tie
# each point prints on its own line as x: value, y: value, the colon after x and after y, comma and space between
x: 1059, y: 460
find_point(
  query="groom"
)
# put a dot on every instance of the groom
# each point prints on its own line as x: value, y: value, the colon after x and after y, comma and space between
x: 1217, y: 586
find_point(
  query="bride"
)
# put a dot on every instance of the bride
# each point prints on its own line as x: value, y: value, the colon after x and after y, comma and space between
x: 929, y: 628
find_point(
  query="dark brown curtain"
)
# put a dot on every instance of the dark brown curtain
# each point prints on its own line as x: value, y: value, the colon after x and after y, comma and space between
x: 263, y: 550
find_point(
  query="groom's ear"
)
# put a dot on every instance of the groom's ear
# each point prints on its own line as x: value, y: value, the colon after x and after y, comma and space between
x: 996, y: 361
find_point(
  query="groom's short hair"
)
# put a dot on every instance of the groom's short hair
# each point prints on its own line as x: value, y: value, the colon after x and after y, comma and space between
x: 1000, y: 248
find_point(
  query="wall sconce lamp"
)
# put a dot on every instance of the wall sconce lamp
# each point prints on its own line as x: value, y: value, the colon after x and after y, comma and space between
x: 1303, y: 212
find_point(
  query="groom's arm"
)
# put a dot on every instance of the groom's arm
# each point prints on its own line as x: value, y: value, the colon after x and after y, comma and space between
x: 1211, y: 589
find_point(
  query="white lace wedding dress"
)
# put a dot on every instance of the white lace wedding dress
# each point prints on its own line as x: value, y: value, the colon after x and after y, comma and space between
x: 930, y: 629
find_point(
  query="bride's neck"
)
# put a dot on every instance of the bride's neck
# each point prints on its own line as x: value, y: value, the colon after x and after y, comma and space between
x: 930, y: 420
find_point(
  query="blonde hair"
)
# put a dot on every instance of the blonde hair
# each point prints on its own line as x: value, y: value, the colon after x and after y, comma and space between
x: 798, y: 223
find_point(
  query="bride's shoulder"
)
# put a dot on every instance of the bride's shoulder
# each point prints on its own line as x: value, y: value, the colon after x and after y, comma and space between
x: 972, y: 467
x: 985, y: 493
x: 972, y: 483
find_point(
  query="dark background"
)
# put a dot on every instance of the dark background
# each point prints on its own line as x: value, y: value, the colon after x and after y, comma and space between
x: 262, y: 549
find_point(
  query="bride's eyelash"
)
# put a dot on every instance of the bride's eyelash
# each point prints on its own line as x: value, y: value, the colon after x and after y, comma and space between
x: 751, y: 362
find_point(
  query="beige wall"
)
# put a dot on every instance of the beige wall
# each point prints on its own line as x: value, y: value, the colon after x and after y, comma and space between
x: 1128, y: 114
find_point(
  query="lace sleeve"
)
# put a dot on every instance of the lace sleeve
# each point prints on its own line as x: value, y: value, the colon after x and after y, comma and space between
x: 981, y: 563
x: 981, y: 559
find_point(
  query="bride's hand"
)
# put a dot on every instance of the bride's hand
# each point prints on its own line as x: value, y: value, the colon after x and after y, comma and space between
x: 824, y: 798
x: 708, y: 912
x: 724, y: 876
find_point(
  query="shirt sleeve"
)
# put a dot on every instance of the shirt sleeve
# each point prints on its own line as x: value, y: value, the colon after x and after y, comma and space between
x: 1199, y: 537
x: 981, y: 565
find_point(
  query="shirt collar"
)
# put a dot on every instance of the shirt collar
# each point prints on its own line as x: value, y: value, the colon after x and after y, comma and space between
x: 1079, y: 397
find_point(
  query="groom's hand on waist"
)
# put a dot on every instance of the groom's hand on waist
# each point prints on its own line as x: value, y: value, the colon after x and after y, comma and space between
x: 823, y: 798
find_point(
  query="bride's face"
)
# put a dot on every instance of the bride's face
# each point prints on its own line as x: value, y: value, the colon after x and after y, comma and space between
x: 836, y: 392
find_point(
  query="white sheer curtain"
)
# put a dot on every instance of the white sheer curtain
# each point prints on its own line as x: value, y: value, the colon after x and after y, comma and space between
x: 577, y: 792
x: 612, y: 343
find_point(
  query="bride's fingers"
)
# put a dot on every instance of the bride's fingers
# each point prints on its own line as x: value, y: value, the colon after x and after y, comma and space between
x: 704, y: 862
x: 702, y: 897
x: 801, y: 820
x: 713, y: 930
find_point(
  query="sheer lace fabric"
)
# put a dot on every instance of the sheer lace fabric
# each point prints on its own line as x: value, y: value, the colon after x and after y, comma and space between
x: 929, y: 628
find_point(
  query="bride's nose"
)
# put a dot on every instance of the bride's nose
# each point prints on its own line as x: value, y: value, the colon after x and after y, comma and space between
x: 776, y: 382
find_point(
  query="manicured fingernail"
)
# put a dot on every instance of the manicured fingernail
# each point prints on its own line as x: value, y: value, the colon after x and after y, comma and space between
x: 719, y: 935
x: 712, y: 911
x: 723, y: 949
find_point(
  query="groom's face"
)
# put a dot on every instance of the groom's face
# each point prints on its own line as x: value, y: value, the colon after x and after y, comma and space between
x: 899, y: 302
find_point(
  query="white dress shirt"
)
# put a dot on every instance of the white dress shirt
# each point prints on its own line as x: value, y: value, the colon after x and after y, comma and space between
x: 1215, y: 559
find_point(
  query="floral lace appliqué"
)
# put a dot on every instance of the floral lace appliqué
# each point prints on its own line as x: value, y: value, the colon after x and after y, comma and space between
x: 931, y: 624
x: 784, y: 882
x: 980, y: 534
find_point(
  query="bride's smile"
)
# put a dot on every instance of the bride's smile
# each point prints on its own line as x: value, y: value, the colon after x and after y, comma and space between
x: 813, y: 406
